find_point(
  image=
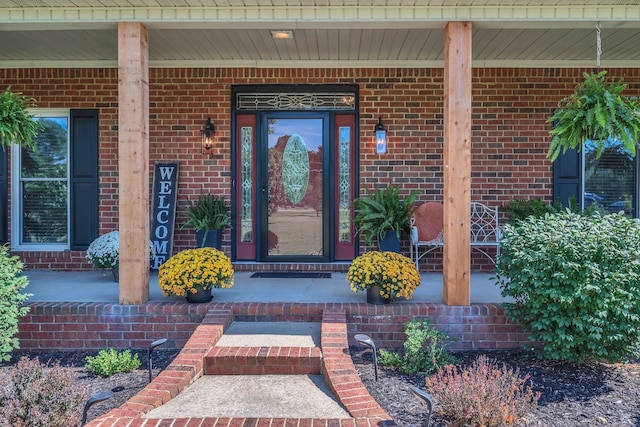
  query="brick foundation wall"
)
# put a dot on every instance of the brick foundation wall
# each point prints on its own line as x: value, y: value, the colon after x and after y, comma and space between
x: 509, y: 130
x: 93, y: 326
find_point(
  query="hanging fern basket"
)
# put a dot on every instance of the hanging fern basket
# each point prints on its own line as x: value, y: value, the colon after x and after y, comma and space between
x: 17, y: 124
x: 596, y: 111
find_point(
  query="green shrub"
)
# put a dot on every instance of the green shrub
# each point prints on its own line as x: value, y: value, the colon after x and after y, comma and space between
x: 109, y: 362
x: 424, y: 350
x: 483, y: 394
x: 575, y: 281
x: 40, y: 396
x: 518, y: 210
x: 11, y: 300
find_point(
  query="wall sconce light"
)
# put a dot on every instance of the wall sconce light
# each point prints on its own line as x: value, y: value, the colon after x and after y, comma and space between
x: 208, y: 133
x: 381, y: 137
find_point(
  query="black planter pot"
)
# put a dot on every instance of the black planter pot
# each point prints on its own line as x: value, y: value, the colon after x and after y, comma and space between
x: 390, y: 242
x: 374, y: 297
x: 209, y: 238
x: 203, y: 295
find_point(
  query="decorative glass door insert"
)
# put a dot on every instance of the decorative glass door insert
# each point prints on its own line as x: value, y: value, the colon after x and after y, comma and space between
x: 294, y: 187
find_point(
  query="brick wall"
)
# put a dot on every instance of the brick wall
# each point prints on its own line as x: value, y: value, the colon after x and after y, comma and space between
x: 95, y: 326
x: 509, y: 134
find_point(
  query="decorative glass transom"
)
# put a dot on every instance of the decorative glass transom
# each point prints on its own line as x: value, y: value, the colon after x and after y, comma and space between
x: 296, y: 101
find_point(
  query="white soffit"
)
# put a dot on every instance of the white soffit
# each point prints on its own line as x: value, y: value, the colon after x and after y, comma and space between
x: 327, y: 33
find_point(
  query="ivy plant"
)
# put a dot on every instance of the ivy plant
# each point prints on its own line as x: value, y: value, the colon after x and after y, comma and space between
x: 597, y: 110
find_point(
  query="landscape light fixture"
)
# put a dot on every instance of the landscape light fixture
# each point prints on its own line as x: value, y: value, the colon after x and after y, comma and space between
x: 152, y: 347
x: 381, y: 137
x: 208, y: 133
x: 96, y: 398
x: 367, y: 341
x: 426, y: 398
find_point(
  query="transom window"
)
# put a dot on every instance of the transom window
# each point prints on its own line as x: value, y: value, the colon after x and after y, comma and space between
x: 40, y: 187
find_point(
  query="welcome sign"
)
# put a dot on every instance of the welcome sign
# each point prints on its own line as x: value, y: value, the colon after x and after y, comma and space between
x: 165, y: 193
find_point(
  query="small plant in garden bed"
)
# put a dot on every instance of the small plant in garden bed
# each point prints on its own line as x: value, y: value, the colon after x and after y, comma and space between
x: 483, y: 394
x: 424, y: 350
x: 110, y: 361
x: 39, y: 397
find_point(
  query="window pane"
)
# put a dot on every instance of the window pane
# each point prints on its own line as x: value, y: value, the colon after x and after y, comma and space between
x: 609, y: 179
x: 44, y: 212
x: 49, y: 159
x: 246, y: 163
x: 344, y: 189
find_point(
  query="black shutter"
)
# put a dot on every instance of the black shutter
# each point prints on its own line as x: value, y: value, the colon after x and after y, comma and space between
x: 4, y: 201
x: 84, y: 178
x: 567, y: 177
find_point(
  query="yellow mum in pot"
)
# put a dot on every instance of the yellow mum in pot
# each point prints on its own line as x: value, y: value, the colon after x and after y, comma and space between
x: 396, y: 274
x: 193, y: 270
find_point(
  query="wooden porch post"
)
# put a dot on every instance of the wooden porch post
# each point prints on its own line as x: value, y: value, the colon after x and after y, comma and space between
x: 133, y: 161
x: 457, y: 163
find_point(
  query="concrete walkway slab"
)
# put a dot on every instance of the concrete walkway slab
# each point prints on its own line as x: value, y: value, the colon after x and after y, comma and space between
x: 254, y: 396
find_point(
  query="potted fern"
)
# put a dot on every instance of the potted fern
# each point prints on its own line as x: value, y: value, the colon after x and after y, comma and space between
x: 16, y: 123
x: 209, y: 215
x: 597, y: 111
x: 384, y: 215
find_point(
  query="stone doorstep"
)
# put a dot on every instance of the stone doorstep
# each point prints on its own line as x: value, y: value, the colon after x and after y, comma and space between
x: 189, y: 365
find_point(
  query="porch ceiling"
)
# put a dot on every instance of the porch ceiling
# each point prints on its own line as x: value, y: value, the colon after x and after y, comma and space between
x: 327, y: 33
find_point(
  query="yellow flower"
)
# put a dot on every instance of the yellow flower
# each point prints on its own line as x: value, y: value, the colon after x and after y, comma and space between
x: 195, y: 269
x: 396, y: 274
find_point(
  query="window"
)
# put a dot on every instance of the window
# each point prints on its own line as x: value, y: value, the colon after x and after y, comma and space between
x: 40, y: 187
x: 609, y: 180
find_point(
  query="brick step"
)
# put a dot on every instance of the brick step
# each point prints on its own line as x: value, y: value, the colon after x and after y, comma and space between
x: 263, y: 361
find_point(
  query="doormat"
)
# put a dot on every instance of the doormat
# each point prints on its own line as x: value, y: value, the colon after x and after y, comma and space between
x: 290, y: 275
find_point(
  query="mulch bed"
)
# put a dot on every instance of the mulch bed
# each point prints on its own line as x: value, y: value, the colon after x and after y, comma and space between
x: 572, y: 395
x: 123, y: 385
x: 592, y: 394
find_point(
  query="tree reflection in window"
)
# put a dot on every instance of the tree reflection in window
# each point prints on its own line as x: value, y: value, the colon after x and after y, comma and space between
x: 609, y: 180
x: 44, y: 188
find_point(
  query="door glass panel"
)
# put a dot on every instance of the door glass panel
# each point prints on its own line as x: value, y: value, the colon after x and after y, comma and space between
x: 246, y: 166
x: 344, y: 188
x: 609, y: 179
x: 295, y: 187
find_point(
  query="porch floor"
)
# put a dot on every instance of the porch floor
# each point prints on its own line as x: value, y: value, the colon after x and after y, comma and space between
x: 97, y: 286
